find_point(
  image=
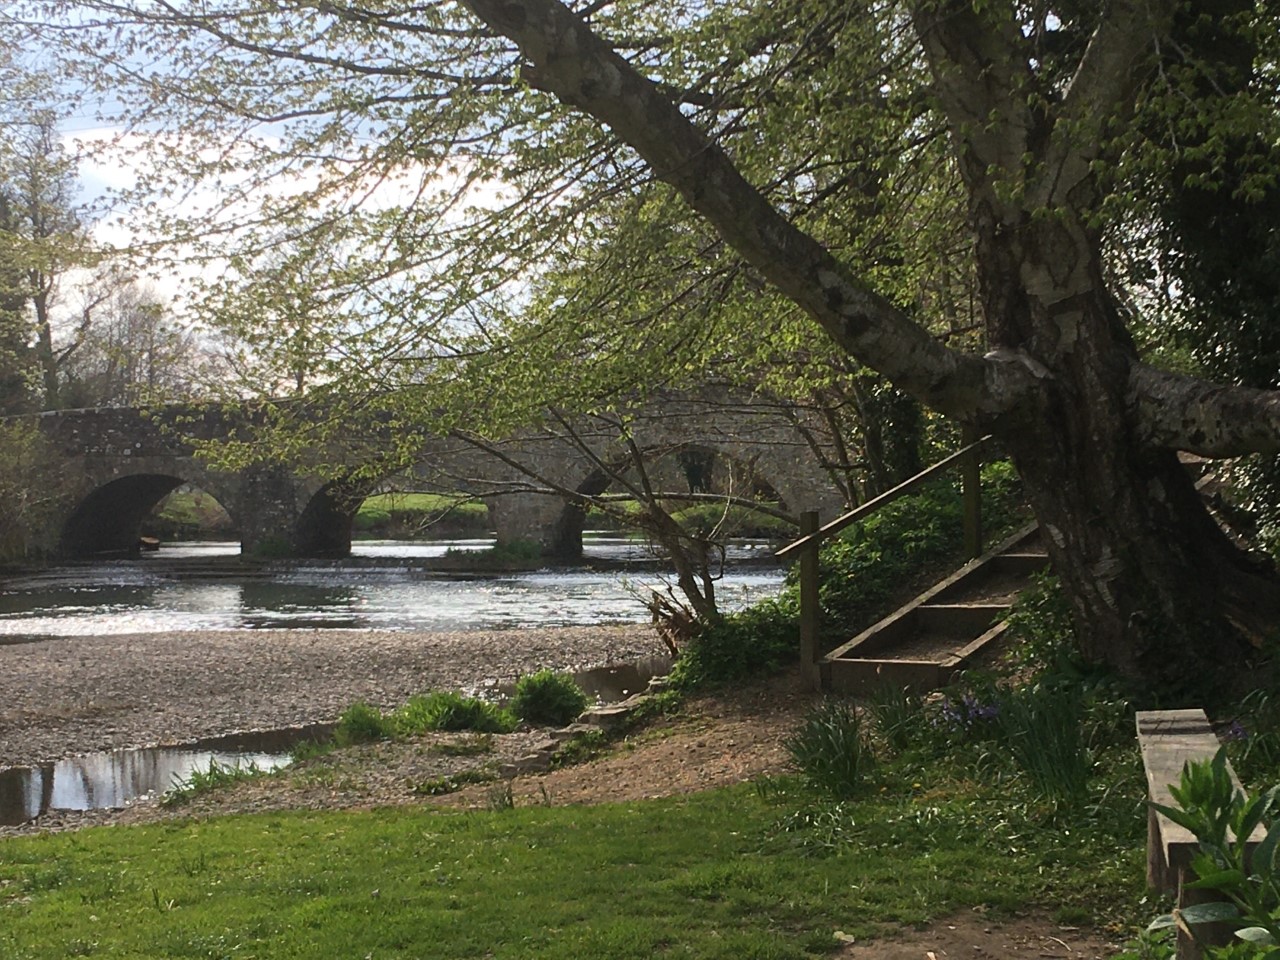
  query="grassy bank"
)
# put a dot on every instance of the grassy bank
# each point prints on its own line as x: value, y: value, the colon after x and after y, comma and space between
x: 741, y: 873
x: 420, y: 515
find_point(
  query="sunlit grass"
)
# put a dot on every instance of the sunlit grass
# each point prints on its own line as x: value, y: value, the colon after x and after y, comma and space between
x: 729, y: 873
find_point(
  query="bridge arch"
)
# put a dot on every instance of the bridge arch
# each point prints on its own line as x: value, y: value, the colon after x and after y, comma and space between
x: 323, y: 528
x: 108, y: 518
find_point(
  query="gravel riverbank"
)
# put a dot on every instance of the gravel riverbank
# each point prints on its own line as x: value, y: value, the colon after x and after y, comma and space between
x: 70, y: 695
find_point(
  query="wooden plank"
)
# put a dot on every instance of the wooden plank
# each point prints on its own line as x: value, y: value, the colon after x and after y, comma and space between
x: 1169, y: 740
x: 978, y: 645
x: 810, y: 604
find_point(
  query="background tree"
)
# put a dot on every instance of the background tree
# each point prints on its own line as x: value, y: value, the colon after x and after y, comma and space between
x: 17, y: 370
x: 31, y: 492
x: 47, y: 238
x: 130, y: 350
x: 770, y: 166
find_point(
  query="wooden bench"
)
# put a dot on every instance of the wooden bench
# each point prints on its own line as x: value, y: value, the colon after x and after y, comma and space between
x: 1169, y: 739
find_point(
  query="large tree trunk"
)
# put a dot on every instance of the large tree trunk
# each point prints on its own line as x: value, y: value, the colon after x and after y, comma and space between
x: 1158, y: 591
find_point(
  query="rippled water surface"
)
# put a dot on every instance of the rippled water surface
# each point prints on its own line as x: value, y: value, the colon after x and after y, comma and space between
x: 138, y: 596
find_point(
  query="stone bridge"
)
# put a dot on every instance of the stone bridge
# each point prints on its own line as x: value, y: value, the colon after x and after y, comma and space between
x: 120, y: 462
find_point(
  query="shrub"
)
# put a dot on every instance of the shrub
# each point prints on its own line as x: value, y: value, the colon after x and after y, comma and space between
x: 760, y: 638
x: 1043, y: 729
x: 447, y: 710
x: 831, y: 750
x: 549, y: 698
x: 362, y: 723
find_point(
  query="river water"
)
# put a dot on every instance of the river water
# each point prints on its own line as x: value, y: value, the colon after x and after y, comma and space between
x: 140, y: 596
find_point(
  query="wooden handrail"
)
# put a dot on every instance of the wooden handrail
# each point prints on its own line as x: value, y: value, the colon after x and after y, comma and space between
x: 874, y: 504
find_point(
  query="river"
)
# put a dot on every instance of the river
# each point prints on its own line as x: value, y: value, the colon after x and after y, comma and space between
x: 141, y: 596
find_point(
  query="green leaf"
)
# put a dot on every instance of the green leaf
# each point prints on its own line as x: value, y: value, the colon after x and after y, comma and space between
x: 1162, y: 922
x: 1215, y: 912
x: 1265, y: 854
x: 1218, y: 880
x: 1256, y: 935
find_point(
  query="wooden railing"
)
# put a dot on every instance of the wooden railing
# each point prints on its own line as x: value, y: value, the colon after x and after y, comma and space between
x: 968, y: 459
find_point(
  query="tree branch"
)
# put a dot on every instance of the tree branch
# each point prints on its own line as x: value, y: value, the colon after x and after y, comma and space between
x: 1100, y: 92
x: 566, y: 59
x: 1205, y: 418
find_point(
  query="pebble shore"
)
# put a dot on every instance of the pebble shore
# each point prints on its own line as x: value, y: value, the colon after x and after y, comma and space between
x: 64, y: 696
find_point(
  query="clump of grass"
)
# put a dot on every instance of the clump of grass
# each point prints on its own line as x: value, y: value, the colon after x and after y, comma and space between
x: 832, y: 751
x: 199, y: 781
x: 309, y: 749
x: 446, y: 710
x: 579, y: 749
x: 547, y: 697
x: 897, y: 713
x: 1042, y: 728
x: 362, y: 723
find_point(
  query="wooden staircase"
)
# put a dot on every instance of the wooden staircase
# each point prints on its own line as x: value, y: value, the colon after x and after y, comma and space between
x: 924, y: 643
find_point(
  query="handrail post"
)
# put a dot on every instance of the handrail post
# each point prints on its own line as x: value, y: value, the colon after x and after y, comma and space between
x: 810, y: 609
x: 971, y: 487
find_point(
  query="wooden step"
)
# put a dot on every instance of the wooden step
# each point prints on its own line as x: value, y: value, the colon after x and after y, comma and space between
x: 922, y: 644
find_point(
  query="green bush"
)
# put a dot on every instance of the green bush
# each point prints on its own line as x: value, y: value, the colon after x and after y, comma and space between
x: 735, y: 521
x: 417, y: 514
x: 362, y: 723
x: 548, y: 698
x: 831, y: 750
x: 761, y: 638
x: 446, y: 710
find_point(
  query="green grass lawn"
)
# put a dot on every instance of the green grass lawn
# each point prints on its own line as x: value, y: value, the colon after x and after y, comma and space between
x: 739, y: 873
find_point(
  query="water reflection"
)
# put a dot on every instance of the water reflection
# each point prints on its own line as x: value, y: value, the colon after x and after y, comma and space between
x: 110, y: 779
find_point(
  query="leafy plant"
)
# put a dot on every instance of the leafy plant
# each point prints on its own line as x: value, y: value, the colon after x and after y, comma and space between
x: 832, y: 751
x: 362, y: 723
x: 547, y: 697
x: 1253, y: 738
x: 446, y: 710
x: 1222, y: 819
